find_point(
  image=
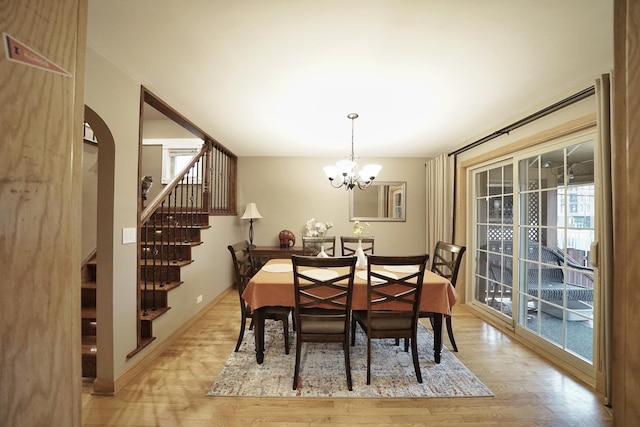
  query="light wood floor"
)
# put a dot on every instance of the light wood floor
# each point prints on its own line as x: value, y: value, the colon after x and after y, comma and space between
x: 528, y: 390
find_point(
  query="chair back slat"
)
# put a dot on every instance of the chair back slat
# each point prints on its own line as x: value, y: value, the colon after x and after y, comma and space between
x: 446, y: 260
x: 244, y: 267
x: 349, y: 245
x: 322, y: 309
x: 310, y: 245
x: 400, y: 294
x: 331, y: 292
x: 394, y: 288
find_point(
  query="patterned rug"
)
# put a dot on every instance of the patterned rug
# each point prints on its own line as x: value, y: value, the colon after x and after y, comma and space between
x: 322, y: 372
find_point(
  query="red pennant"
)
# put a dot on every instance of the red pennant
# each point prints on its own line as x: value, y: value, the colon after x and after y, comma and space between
x: 19, y: 52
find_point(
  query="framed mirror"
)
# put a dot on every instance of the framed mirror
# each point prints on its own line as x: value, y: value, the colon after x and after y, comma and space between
x: 383, y: 201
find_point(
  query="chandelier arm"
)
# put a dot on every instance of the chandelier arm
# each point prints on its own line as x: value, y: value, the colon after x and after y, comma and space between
x: 331, y: 181
x: 364, y: 184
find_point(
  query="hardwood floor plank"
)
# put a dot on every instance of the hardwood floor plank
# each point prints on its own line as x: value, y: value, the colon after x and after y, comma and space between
x: 529, y: 391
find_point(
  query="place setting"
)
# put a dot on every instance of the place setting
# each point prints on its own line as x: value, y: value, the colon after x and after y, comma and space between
x: 277, y: 268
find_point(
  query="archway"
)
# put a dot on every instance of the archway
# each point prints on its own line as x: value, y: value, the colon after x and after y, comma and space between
x: 104, y: 382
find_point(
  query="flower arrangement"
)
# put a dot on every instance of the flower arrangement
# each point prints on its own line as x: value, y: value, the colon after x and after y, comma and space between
x: 359, y: 228
x: 316, y: 228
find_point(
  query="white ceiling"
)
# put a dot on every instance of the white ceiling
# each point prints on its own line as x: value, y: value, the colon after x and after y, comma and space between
x: 278, y: 77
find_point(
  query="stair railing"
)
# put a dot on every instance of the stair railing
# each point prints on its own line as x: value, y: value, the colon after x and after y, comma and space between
x: 165, y: 225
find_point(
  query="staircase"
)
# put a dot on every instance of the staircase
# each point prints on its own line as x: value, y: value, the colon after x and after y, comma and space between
x: 170, y: 227
x: 162, y: 258
x: 167, y: 239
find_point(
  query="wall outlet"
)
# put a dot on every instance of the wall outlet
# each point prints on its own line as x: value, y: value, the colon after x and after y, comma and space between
x: 198, y: 299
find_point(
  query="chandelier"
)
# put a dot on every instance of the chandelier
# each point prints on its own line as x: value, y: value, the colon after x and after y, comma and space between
x: 345, y: 172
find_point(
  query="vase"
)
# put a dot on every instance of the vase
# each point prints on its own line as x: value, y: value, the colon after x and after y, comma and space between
x: 322, y: 253
x: 361, y: 258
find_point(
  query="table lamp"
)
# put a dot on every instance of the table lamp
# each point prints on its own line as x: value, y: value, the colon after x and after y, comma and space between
x: 251, y: 213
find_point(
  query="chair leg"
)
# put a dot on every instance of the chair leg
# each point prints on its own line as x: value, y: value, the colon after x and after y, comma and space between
x: 285, y: 332
x: 353, y: 331
x: 296, y: 370
x: 368, y: 360
x: 347, y: 362
x: 241, y: 335
x: 450, y: 332
x: 416, y: 363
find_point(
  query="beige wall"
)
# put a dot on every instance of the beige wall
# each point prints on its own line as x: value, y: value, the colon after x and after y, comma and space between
x: 289, y: 191
x: 151, y: 164
x: 115, y: 98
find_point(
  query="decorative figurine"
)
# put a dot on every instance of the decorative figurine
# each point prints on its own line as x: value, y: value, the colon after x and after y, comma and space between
x: 287, y: 239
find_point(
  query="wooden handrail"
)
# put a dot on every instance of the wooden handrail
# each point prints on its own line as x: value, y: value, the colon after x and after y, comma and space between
x: 157, y: 201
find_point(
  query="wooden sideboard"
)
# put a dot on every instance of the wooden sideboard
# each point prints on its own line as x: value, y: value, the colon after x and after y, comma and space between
x: 262, y: 254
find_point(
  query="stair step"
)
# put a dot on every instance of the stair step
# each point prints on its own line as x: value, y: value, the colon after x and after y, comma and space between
x: 88, y: 290
x: 167, y: 251
x: 159, y: 286
x: 143, y: 343
x: 146, y: 322
x: 89, y: 345
x: 164, y: 262
x: 185, y: 234
x: 170, y: 242
x: 88, y: 313
x: 182, y: 216
x: 89, y: 284
x: 153, y: 314
x: 89, y: 356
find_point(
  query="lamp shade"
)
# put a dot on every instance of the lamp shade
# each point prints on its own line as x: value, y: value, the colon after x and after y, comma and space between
x: 251, y: 212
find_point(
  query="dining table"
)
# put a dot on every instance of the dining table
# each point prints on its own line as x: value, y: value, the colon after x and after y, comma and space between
x: 273, y: 286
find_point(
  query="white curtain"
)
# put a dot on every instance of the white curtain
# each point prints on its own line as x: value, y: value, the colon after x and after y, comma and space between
x: 439, y: 200
x: 604, y: 239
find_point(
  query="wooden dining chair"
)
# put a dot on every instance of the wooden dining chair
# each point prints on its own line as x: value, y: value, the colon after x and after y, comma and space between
x: 323, y: 306
x: 244, y: 268
x: 394, y: 287
x: 349, y: 245
x: 445, y: 262
x: 311, y: 245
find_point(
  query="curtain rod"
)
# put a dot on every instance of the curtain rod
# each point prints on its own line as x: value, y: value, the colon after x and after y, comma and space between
x: 548, y: 110
x: 539, y: 114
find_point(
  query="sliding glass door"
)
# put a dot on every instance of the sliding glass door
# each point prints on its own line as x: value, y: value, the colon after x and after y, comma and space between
x: 534, y: 225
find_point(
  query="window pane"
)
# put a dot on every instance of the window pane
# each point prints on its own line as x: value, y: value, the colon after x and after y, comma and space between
x: 508, y: 179
x: 481, y: 184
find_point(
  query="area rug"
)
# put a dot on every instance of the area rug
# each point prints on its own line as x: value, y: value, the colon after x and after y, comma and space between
x: 322, y: 372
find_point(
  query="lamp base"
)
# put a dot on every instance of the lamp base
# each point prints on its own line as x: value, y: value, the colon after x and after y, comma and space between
x: 251, y: 233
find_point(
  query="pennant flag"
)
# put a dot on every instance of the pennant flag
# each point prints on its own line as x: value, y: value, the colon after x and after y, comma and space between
x: 19, y: 52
